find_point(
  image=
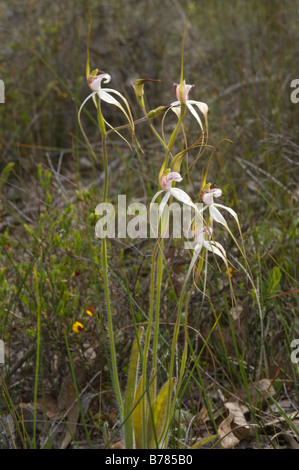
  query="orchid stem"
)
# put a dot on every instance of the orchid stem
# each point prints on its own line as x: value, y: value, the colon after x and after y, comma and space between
x: 105, y: 267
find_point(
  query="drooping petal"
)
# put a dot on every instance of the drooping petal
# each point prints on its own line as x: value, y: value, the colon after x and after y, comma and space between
x: 194, y: 258
x: 156, y: 195
x: 203, y: 108
x: 231, y: 211
x: 216, y: 215
x: 163, y: 203
x: 180, y: 195
x: 105, y: 96
x: 194, y: 113
x: 215, y: 248
x: 86, y: 99
x: 176, y: 108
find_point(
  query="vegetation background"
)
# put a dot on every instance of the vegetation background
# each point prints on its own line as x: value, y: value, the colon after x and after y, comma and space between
x: 242, y: 57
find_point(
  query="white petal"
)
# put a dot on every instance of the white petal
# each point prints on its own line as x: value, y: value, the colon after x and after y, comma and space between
x: 217, y: 250
x: 194, y: 113
x: 193, y: 261
x: 208, y: 198
x: 95, y: 85
x: 166, y: 180
x: 198, y: 248
x: 180, y: 195
x: 106, y: 96
x: 86, y: 99
x: 163, y: 203
x: 217, y: 192
x: 231, y: 211
x: 176, y: 108
x: 215, y: 215
x: 203, y: 107
x: 156, y: 195
x: 174, y: 176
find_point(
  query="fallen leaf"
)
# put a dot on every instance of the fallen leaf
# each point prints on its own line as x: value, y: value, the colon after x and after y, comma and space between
x: 291, y: 440
x: 69, y: 406
x: 240, y: 426
x: 118, y: 445
x: 228, y: 439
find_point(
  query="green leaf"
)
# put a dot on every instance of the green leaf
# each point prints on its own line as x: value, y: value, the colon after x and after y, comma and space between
x: 273, y: 281
x: 130, y: 393
x: 160, y: 410
x: 137, y: 414
x: 5, y: 173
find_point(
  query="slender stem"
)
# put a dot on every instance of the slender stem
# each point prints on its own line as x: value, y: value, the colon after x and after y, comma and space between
x: 105, y: 267
x: 146, y: 347
x: 110, y: 325
x: 158, y: 298
x: 171, y: 407
x: 38, y: 342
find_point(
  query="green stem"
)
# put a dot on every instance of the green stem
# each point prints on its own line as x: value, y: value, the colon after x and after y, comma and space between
x: 146, y: 348
x: 171, y: 407
x: 115, y: 378
x: 158, y: 298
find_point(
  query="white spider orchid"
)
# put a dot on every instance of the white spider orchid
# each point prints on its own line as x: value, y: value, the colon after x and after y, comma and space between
x: 166, y: 179
x: 207, y: 196
x: 203, y: 239
x: 182, y: 94
x: 95, y: 80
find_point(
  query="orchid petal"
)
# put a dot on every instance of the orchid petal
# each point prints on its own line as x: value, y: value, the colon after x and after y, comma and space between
x: 231, y: 211
x: 208, y: 198
x: 194, y: 113
x: 111, y: 90
x: 216, y: 215
x: 86, y: 99
x: 163, y: 203
x: 176, y: 108
x: 180, y: 195
x: 194, y: 258
x: 203, y: 107
x: 95, y: 84
x: 156, y: 195
x: 215, y: 249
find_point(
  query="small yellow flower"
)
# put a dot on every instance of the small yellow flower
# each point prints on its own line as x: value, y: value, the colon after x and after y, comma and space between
x: 229, y: 271
x: 90, y: 311
x: 78, y: 327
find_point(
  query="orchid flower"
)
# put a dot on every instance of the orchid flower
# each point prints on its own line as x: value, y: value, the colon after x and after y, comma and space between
x: 202, y: 239
x: 182, y: 95
x: 166, y: 179
x: 208, y: 198
x: 95, y: 80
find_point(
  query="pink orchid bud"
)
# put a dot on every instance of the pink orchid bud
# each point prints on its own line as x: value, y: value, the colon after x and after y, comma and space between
x: 167, y: 179
x: 208, y: 196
